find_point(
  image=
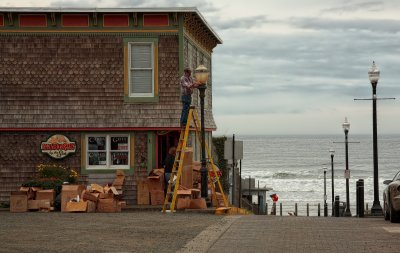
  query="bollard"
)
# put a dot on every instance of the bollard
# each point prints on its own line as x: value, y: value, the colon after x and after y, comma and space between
x: 337, y: 206
x: 361, y: 199
x: 308, y: 210
x: 357, y: 197
x: 280, y: 208
x: 295, y: 209
x: 273, y: 209
x: 325, y: 210
x: 319, y: 209
x: 266, y: 208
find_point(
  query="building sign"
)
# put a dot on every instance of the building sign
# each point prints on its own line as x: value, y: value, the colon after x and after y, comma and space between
x: 58, y: 146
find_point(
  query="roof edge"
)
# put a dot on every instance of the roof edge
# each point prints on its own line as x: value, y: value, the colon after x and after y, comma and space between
x: 115, y: 10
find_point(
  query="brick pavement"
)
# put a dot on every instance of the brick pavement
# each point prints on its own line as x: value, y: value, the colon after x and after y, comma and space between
x: 300, y: 234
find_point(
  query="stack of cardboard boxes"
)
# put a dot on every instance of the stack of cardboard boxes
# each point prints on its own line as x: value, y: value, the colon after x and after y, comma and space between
x: 150, y: 190
x: 32, y: 199
x: 74, y: 198
x: 190, y: 184
x: 94, y: 198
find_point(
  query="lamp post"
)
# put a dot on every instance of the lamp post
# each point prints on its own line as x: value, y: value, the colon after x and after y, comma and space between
x: 373, y: 74
x: 332, y: 152
x: 201, y: 74
x: 346, y: 128
x: 325, y: 204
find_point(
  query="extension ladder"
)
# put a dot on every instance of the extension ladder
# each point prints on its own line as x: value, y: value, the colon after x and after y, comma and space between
x: 178, y: 164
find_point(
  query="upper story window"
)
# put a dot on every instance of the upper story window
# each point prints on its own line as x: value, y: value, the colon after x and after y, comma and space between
x: 141, y: 69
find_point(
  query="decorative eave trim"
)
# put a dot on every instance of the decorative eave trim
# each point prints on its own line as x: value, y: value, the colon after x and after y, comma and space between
x: 91, y: 33
x: 200, y: 47
x: 95, y: 129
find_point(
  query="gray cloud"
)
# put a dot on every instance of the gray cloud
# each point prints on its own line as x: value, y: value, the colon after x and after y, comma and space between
x: 238, y: 23
x: 351, y: 6
x: 368, y: 25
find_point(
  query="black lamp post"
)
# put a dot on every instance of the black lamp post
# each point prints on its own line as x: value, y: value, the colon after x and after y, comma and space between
x: 325, y: 204
x: 346, y: 128
x: 332, y: 152
x: 201, y: 74
x: 373, y: 74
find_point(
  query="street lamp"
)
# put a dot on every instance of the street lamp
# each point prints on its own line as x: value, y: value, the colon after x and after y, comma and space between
x: 201, y: 75
x: 373, y: 74
x: 346, y: 128
x: 332, y: 152
x: 325, y: 204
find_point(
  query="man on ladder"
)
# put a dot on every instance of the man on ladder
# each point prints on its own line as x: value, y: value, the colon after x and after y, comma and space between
x: 188, y: 115
x: 187, y: 86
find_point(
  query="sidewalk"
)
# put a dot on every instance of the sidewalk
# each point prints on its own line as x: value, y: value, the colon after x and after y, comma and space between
x: 299, y: 234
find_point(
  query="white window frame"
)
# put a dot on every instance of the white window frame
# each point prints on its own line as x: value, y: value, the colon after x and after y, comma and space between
x: 108, y: 152
x: 131, y: 94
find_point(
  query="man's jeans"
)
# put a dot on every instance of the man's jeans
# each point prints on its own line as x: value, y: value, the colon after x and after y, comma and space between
x: 186, y: 101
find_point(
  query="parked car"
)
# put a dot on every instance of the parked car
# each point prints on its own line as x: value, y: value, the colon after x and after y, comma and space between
x: 391, y: 199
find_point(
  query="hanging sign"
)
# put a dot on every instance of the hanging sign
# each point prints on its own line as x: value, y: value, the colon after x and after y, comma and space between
x: 58, y: 146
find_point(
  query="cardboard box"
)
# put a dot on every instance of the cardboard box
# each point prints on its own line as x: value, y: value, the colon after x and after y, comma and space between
x: 188, y: 158
x: 198, y: 204
x: 30, y: 191
x: 18, y: 202
x: 118, y: 181
x: 91, y: 206
x: 46, y: 194
x: 96, y: 188
x: 80, y: 206
x: 182, y: 203
x: 156, y: 180
x: 122, y: 204
x: 114, y: 190
x: 69, y: 192
x: 90, y: 196
x: 106, y: 195
x: 45, y: 204
x: 33, y: 204
x: 187, y: 176
x: 157, y: 198
x: 143, y: 194
x: 119, y: 173
x: 107, y: 206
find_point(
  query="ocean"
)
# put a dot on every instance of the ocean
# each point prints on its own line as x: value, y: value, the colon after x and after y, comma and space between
x: 293, y: 167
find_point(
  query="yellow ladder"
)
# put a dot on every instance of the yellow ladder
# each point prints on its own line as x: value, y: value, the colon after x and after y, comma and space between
x: 178, y: 163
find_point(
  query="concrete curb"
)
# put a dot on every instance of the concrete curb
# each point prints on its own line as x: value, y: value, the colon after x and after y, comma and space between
x: 209, y: 236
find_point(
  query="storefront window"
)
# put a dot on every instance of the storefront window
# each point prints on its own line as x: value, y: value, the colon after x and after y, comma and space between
x: 107, y: 151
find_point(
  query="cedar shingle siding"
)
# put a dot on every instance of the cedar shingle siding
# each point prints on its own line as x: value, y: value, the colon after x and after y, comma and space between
x: 77, y: 82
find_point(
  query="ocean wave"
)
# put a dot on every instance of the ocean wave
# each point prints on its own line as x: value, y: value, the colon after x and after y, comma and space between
x: 285, y: 175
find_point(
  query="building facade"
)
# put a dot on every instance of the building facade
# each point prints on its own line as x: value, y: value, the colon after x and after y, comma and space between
x: 98, y: 86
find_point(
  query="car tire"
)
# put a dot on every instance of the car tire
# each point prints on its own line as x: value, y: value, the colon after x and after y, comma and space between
x: 394, y: 216
x: 386, y: 212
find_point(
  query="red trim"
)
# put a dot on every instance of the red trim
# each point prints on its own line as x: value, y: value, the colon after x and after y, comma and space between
x: 92, y: 129
x: 115, y: 20
x: 75, y: 20
x: 1, y: 20
x: 155, y: 20
x: 157, y: 151
x: 33, y: 20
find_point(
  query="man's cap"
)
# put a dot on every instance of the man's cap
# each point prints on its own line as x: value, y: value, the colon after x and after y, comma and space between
x: 187, y: 69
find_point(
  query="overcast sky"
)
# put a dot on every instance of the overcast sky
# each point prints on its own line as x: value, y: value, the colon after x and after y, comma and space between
x: 293, y: 67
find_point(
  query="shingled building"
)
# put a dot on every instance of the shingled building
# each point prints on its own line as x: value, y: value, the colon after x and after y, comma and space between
x: 96, y: 89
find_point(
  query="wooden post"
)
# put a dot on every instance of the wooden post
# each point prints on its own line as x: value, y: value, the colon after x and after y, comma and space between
x: 308, y: 210
x: 280, y: 208
x: 295, y: 209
